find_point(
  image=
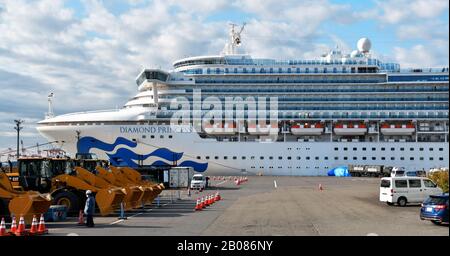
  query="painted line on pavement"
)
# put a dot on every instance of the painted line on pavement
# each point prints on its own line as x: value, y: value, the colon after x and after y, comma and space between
x: 275, y: 183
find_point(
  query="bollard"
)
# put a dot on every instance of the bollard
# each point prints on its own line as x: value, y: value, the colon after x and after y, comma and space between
x: 122, y: 212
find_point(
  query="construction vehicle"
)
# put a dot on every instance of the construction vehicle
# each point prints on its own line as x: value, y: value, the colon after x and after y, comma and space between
x: 66, y: 184
x: 20, y: 203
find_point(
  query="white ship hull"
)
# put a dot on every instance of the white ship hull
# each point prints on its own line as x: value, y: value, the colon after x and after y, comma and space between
x: 276, y: 158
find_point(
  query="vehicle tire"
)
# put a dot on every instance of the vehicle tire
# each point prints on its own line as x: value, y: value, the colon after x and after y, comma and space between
x: 68, y: 199
x: 390, y: 203
x: 402, y: 201
x: 435, y: 222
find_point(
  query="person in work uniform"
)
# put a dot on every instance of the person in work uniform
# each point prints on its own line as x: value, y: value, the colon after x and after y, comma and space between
x: 89, y: 209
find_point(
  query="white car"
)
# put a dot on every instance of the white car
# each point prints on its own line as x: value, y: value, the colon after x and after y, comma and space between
x: 403, y: 190
x: 198, y: 181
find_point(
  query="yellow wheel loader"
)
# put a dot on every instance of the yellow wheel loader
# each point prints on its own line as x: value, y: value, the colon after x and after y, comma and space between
x: 58, y: 177
x: 134, y: 192
x: 136, y: 177
x: 20, y: 203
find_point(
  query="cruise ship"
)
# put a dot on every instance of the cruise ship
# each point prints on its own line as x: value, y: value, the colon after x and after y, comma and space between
x: 230, y: 113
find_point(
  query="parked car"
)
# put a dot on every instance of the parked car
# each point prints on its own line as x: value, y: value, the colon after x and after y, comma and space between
x: 435, y: 209
x: 404, y: 190
x: 198, y: 181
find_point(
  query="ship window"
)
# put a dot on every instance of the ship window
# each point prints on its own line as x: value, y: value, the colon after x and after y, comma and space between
x: 271, y: 70
x: 270, y: 157
x: 207, y: 157
x: 363, y: 149
x: 335, y: 149
x: 261, y: 157
x: 392, y: 149
x: 235, y: 70
x: 234, y: 157
x: 431, y: 159
x: 345, y: 149
x: 411, y: 158
x: 225, y: 157
x: 243, y: 158
x: 364, y: 158
x: 161, y: 136
x: 431, y: 149
x: 143, y: 136
x: 392, y: 158
x: 402, y: 149
x: 421, y: 158
x: 198, y: 157
x: 216, y: 157
x: 307, y: 158
x: 170, y: 136
x: 280, y: 70
x: 336, y: 158
x: 355, y: 158
x: 345, y: 158
x: 383, y: 149
x: 441, y: 159
x: 289, y: 158
x: 354, y: 149
x: 326, y: 158
x: 441, y: 149
x: 420, y: 149
x: 280, y: 157
x: 411, y: 149
x: 317, y: 158
x: 252, y: 157
x: 402, y: 158
x: 383, y: 158
x: 374, y: 149
x: 374, y: 158
x: 152, y: 136
x: 253, y: 70
x: 306, y: 70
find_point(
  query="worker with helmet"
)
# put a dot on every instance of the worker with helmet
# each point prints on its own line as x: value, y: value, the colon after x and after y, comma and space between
x: 89, y: 208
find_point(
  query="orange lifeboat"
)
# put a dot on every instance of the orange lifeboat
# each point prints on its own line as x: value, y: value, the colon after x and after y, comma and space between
x: 221, y: 129
x: 307, y: 129
x: 397, y: 129
x: 262, y: 128
x: 350, y: 129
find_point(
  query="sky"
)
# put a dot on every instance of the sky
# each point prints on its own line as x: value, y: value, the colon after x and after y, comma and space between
x: 89, y: 52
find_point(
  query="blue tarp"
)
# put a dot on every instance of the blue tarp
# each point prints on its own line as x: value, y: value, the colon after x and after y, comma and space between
x: 341, y: 171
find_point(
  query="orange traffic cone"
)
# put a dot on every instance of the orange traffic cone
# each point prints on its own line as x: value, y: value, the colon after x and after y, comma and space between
x: 3, y: 228
x: 207, y: 201
x: 34, y: 228
x: 198, y: 206
x: 320, y: 187
x: 202, y: 203
x: 13, y: 225
x: 20, y: 231
x: 217, y: 197
x: 80, y: 218
x: 41, y: 228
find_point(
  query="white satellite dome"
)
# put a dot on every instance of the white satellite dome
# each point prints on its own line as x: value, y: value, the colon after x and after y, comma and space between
x: 364, y: 44
x: 355, y: 54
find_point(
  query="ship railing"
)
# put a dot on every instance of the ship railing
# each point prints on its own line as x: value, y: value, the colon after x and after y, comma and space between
x: 91, y: 112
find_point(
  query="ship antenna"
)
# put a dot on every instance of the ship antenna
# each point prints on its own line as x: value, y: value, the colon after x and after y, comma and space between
x: 50, y: 106
x: 235, y: 39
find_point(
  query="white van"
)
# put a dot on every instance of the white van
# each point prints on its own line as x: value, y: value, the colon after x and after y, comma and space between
x: 198, y: 181
x: 403, y: 190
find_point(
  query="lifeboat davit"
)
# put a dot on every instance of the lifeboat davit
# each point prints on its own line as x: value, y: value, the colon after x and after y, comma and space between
x: 262, y: 129
x: 397, y: 129
x: 220, y: 129
x: 350, y: 129
x: 307, y: 129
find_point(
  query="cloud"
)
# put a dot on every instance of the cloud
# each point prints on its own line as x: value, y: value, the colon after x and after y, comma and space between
x: 397, y: 11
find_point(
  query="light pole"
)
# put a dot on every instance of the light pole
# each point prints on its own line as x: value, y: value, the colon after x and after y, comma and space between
x: 18, y: 128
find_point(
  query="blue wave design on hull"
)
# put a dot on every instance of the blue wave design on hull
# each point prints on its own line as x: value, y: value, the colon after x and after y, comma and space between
x: 126, y: 157
x: 198, y: 167
x: 87, y: 143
